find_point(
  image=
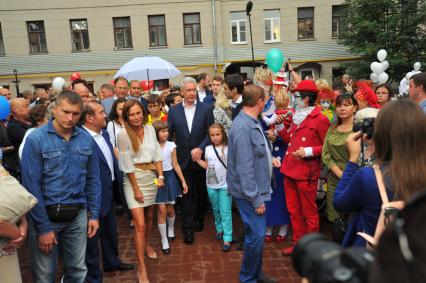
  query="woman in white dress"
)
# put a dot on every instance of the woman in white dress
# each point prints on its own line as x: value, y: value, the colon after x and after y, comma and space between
x: 141, y: 160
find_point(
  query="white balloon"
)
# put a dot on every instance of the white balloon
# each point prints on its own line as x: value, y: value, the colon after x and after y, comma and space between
x: 383, y: 77
x: 385, y: 65
x: 417, y: 66
x: 381, y: 55
x: 58, y: 83
x: 374, y: 77
x: 376, y: 67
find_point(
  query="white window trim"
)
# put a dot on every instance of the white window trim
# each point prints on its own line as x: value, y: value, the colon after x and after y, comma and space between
x: 238, y: 32
x: 306, y: 69
x: 272, y: 30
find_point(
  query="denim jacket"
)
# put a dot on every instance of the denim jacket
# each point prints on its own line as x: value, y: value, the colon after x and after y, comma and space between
x: 249, y: 161
x: 57, y: 171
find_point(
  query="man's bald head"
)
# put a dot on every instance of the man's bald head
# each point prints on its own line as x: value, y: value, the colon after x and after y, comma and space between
x: 20, y: 108
x: 83, y: 91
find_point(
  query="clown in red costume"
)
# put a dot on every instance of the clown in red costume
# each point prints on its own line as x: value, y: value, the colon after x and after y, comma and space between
x: 302, y: 161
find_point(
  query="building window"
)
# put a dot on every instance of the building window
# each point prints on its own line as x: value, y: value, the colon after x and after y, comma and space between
x: 238, y: 27
x: 336, y: 20
x: 305, y: 22
x: 122, y: 32
x: 1, y: 42
x: 272, y: 25
x: 79, y: 35
x: 157, y: 30
x: 192, y: 28
x: 37, y: 37
x: 306, y: 74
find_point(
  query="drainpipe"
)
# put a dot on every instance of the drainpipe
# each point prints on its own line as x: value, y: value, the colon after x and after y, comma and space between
x: 214, y: 35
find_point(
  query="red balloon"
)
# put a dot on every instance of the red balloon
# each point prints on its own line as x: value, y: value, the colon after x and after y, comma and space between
x: 147, y: 85
x: 75, y: 76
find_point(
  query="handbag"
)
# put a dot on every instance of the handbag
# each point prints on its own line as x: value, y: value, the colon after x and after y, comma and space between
x: 218, y: 157
x: 62, y: 212
x: 340, y: 226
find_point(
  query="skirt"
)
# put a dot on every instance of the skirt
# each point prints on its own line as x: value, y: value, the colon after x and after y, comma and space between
x: 171, y: 189
x: 145, y: 180
x: 9, y: 269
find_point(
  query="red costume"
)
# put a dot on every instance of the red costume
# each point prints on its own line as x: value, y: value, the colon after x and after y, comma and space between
x: 301, y: 175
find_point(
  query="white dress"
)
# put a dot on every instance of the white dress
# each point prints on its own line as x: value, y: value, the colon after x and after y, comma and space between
x: 149, y: 151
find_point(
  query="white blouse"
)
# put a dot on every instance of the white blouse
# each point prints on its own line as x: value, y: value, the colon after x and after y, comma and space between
x: 113, y: 128
x: 149, y: 150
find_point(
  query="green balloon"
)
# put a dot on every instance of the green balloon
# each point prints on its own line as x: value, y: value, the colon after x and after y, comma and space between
x: 275, y: 59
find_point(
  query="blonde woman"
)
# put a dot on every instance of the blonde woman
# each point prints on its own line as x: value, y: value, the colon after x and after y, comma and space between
x: 222, y: 112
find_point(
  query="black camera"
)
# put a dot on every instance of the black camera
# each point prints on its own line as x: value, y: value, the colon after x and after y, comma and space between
x: 366, y: 126
x: 320, y: 260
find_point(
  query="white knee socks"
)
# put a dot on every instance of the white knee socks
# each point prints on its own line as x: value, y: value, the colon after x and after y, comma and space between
x: 171, y: 228
x: 268, y: 231
x: 283, y: 230
x: 163, y: 233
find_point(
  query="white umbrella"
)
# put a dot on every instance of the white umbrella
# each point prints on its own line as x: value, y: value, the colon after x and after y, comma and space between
x: 147, y: 68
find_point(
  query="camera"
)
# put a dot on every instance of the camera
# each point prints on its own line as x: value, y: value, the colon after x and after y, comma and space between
x: 366, y: 126
x: 320, y: 260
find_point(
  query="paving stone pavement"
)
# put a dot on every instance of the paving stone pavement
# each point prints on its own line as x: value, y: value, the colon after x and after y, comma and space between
x: 200, y: 262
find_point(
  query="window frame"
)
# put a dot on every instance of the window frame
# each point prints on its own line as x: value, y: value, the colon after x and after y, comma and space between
x: 158, y: 38
x: 339, y: 20
x: 271, y: 20
x: 238, y: 21
x: 305, y: 20
x: 124, y: 30
x: 73, y: 46
x: 2, y: 50
x: 39, y: 38
x: 191, y: 25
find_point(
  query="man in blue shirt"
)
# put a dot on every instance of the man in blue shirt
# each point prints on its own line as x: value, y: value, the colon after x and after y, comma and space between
x: 61, y: 170
x: 417, y: 90
x: 249, y: 179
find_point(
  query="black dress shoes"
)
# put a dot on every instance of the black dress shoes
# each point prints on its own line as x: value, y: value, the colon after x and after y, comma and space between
x: 121, y: 267
x: 188, y: 238
x: 171, y: 239
x: 166, y: 251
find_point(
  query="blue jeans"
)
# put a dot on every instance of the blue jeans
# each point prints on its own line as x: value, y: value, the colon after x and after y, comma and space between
x: 72, y: 239
x: 254, y: 233
x: 221, y: 204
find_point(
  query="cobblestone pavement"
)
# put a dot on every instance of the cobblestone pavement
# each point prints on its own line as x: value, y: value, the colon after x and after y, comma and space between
x: 201, y: 262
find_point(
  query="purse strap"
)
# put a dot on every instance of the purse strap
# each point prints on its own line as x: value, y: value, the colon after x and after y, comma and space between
x: 380, y: 184
x: 218, y: 157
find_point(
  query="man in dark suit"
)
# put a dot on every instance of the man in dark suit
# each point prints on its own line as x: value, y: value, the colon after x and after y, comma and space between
x: 188, y: 123
x: 93, y: 118
x: 233, y: 88
x: 204, y: 94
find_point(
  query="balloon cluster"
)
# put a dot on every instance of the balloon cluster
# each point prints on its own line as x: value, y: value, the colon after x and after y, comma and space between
x: 378, y: 69
x: 275, y: 59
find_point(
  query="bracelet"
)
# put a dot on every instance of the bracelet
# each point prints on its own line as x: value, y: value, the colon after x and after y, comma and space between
x: 160, y: 177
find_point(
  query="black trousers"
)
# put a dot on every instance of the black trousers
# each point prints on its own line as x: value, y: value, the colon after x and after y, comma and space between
x: 194, y: 203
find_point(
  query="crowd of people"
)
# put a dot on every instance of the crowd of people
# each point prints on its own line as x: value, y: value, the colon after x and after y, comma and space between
x: 266, y: 146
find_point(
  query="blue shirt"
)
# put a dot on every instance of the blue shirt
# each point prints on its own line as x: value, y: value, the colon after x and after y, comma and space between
x: 357, y: 193
x: 57, y: 171
x: 423, y: 105
x: 249, y: 161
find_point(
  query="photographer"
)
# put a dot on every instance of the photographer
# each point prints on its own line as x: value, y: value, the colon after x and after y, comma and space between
x: 399, y: 143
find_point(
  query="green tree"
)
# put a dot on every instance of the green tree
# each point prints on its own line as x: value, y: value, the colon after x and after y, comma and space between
x: 398, y: 26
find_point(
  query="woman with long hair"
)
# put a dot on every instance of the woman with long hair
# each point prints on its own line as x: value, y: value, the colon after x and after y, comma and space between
x: 334, y: 152
x: 399, y: 139
x: 116, y: 122
x: 222, y: 111
x: 140, y: 159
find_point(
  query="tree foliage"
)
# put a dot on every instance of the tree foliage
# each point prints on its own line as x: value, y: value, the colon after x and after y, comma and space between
x: 398, y: 26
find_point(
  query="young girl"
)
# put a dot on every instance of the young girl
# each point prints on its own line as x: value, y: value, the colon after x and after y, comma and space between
x: 167, y: 195
x: 215, y: 164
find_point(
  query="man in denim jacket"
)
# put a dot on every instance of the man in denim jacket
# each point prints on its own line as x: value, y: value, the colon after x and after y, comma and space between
x: 60, y: 169
x: 249, y: 179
